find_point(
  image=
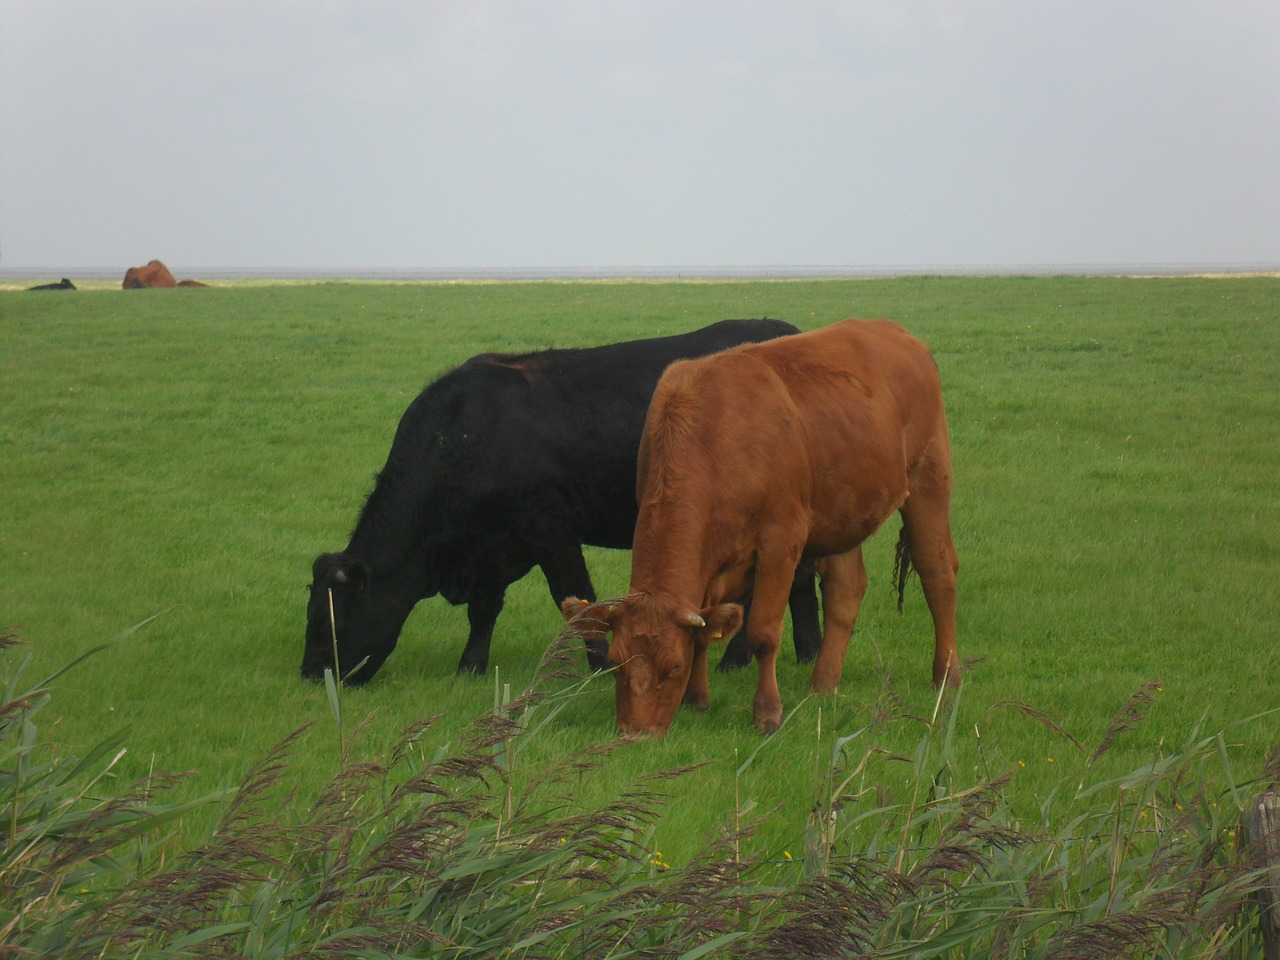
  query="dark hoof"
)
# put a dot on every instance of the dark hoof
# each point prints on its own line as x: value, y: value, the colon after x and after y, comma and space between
x: 731, y: 662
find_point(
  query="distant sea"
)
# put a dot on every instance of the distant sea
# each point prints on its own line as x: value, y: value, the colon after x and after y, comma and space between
x: 442, y: 274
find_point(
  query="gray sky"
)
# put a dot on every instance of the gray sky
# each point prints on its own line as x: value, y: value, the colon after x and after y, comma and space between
x: 570, y: 133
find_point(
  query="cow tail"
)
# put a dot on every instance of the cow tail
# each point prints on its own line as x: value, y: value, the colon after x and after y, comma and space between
x: 902, y: 562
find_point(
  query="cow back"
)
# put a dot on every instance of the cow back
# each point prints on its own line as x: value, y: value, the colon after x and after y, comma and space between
x: 818, y: 429
x: 507, y: 441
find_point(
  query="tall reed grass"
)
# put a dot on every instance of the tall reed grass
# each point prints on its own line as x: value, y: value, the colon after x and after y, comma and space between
x: 453, y: 855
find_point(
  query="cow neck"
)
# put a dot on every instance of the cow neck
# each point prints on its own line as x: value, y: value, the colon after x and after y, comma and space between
x: 671, y: 553
x: 387, y: 533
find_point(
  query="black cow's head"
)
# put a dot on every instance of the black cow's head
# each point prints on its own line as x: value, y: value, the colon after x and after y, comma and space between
x: 353, y: 617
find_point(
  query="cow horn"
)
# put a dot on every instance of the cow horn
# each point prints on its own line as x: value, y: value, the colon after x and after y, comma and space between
x: 691, y: 619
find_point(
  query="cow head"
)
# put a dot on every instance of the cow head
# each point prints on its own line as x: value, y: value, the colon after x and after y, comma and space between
x: 652, y: 650
x: 364, y: 613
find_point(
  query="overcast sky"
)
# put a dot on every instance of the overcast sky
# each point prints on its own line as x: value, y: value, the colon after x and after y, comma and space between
x: 407, y: 134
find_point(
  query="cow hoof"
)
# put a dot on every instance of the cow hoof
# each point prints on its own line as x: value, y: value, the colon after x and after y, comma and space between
x: 824, y: 683
x: 768, y: 724
x: 467, y: 667
x: 728, y: 663
x: 770, y: 720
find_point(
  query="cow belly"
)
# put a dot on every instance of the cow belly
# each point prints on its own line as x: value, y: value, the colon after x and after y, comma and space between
x: 828, y: 542
x: 839, y: 526
x: 616, y: 533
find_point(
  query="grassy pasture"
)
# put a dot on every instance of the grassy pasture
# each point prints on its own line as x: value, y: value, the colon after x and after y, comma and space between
x: 187, y: 453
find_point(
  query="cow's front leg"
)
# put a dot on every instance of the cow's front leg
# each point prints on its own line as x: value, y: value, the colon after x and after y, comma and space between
x: 766, y: 706
x: 806, y: 624
x: 777, y: 556
x: 697, y: 694
x: 567, y: 576
x: 806, y: 628
x: 764, y: 636
x: 482, y: 614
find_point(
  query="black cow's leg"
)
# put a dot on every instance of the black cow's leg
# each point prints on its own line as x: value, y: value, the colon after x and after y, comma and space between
x: 482, y: 614
x: 566, y: 571
x: 806, y: 630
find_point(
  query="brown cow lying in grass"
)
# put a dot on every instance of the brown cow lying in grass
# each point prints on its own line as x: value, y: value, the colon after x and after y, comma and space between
x: 154, y: 274
x: 753, y: 460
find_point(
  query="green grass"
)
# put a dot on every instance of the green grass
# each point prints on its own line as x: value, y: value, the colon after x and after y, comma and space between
x: 187, y: 453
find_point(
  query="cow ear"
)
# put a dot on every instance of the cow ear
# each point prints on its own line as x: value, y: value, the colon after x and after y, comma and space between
x: 324, y: 566
x: 338, y: 568
x: 591, y: 622
x: 570, y: 607
x: 592, y: 616
x: 721, y: 623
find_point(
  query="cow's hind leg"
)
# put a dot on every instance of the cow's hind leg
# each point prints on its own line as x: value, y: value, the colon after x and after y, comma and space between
x: 844, y: 583
x: 927, y: 527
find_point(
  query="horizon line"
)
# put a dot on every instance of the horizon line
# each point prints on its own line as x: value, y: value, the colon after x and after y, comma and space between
x: 674, y: 272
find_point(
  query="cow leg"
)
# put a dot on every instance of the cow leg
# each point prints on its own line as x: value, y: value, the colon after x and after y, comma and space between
x: 806, y: 631
x: 697, y: 694
x: 844, y: 583
x: 927, y: 524
x: 567, y: 576
x: 764, y: 635
x: 482, y: 614
x: 806, y: 628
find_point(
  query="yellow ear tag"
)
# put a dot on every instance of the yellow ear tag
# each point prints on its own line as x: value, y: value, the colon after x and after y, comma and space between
x: 716, y: 636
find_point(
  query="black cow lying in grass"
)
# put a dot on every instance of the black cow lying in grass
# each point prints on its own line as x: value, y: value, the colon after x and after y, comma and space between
x: 64, y: 284
x: 508, y: 462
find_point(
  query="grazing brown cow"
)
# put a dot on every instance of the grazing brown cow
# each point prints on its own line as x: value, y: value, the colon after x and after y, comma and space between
x: 154, y: 274
x: 753, y: 460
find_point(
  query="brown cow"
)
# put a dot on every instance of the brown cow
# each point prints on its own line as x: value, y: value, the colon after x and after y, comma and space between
x: 154, y: 274
x: 753, y: 460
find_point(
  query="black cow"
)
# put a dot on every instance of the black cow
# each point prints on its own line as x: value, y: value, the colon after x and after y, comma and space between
x: 507, y: 462
x: 64, y: 285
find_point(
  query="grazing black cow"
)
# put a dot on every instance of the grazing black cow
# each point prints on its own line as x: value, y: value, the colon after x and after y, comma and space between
x: 507, y: 462
x: 65, y: 284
